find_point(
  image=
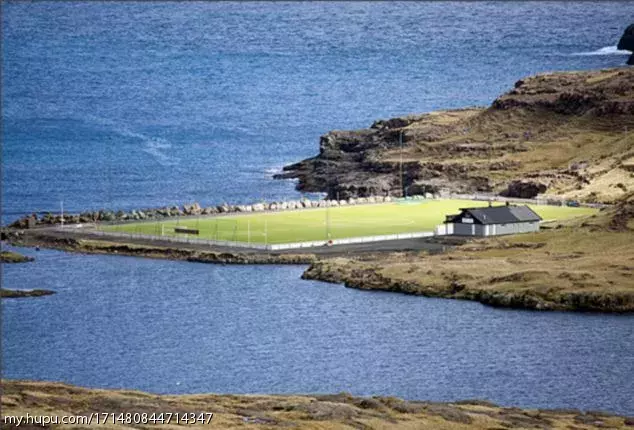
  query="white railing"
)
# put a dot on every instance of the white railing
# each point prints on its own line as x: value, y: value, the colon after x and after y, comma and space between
x: 351, y: 240
x: 545, y: 200
x: 261, y: 246
x: 175, y: 239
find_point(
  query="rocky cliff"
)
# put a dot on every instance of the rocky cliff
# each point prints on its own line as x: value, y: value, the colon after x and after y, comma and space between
x: 569, y: 134
x: 627, y: 42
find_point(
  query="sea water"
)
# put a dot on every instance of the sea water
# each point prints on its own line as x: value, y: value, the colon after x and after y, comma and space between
x: 140, y: 104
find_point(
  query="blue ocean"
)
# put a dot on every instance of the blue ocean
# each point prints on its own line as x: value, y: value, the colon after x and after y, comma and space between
x: 128, y: 105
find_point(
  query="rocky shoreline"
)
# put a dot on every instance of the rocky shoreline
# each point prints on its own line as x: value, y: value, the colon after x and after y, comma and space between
x: 368, y: 278
x: 325, y: 411
x: 14, y: 257
x: 63, y: 242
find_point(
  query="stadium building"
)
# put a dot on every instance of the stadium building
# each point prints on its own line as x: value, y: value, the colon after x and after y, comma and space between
x: 493, y: 221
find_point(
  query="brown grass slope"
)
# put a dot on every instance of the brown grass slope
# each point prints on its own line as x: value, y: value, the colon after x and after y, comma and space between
x: 569, y: 134
x: 582, y: 265
x: 341, y: 411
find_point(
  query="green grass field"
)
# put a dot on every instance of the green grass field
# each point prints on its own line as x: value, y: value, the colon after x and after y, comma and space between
x: 340, y: 222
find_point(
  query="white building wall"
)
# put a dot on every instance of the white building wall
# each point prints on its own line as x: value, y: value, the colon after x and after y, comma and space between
x: 515, y: 228
x: 460, y: 229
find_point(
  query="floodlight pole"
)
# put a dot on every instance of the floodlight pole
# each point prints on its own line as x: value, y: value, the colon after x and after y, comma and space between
x: 400, y: 138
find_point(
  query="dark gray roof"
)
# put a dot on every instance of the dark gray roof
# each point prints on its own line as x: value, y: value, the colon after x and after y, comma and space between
x: 524, y: 213
x: 499, y: 214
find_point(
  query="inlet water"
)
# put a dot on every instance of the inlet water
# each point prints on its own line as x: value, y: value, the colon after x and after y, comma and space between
x: 177, y: 327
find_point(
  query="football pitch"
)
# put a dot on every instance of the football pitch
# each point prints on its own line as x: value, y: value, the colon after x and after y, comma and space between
x: 325, y: 223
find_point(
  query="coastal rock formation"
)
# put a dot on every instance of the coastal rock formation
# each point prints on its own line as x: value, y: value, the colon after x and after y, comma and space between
x: 530, y: 135
x: 524, y: 189
x: 16, y: 294
x: 627, y: 43
x: 14, y: 257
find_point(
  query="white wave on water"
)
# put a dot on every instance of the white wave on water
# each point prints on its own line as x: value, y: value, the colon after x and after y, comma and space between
x: 270, y: 171
x: 157, y: 147
x: 606, y: 50
x: 276, y: 170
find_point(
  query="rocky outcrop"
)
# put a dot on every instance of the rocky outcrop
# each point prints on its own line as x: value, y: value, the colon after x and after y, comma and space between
x: 17, y: 294
x: 524, y: 189
x: 526, y: 135
x: 14, y: 257
x: 622, y: 215
x: 336, y: 169
x: 603, y: 93
x: 627, y: 43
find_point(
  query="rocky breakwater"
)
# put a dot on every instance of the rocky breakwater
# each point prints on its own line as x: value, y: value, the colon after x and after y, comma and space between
x: 626, y: 43
x: 194, y: 209
x: 520, y: 146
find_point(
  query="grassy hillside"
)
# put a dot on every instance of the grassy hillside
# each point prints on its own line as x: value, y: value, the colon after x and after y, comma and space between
x: 340, y: 411
x: 339, y: 222
x: 577, y: 265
